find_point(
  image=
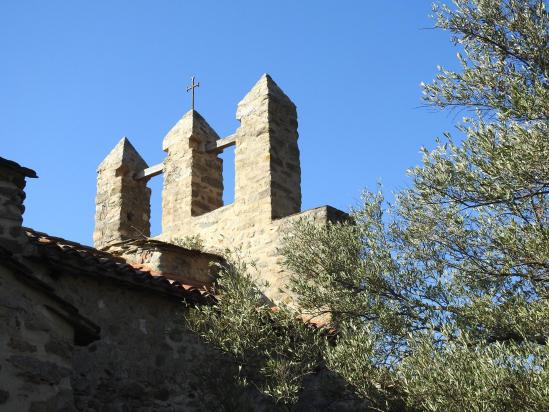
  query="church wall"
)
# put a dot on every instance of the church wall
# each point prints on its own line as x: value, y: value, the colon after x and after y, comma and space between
x: 145, y: 358
x: 255, y: 239
x: 36, y: 347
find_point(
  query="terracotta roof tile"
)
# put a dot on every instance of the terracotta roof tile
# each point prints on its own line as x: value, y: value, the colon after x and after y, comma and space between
x: 78, y: 258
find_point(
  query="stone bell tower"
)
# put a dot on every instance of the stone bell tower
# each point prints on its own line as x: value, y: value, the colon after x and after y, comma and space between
x: 267, y: 170
x: 267, y: 187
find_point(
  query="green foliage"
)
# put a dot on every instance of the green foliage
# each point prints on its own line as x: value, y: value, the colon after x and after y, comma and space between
x: 440, y: 301
x: 273, y: 347
x: 465, y: 374
x: 193, y: 242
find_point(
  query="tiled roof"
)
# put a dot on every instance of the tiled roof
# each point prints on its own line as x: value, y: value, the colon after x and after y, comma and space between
x: 155, y: 243
x: 76, y: 258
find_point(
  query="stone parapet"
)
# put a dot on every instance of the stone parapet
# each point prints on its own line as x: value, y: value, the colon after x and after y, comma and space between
x: 188, y: 266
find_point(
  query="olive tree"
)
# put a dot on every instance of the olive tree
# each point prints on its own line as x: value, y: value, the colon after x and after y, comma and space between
x: 438, y: 301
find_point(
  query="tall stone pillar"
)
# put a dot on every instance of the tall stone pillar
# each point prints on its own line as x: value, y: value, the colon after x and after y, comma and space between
x: 122, y: 202
x: 267, y: 168
x: 193, y: 181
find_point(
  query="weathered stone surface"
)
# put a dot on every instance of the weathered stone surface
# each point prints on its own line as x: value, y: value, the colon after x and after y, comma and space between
x: 4, y: 396
x: 60, y: 402
x: 37, y: 371
x: 193, y: 184
x: 31, y: 378
x: 20, y: 345
x: 58, y: 346
x: 122, y: 202
x: 146, y: 360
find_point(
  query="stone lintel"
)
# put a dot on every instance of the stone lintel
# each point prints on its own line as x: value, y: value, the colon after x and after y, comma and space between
x: 150, y: 172
x: 221, y: 144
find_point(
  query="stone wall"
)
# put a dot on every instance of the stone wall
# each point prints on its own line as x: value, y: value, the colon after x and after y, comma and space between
x: 190, y: 267
x: 36, y: 347
x: 143, y: 359
x: 257, y: 241
x: 146, y: 359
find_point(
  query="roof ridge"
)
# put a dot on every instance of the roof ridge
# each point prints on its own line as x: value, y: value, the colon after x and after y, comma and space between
x: 96, y: 261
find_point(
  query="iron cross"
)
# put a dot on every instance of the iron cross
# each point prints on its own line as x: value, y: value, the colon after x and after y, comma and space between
x: 191, y: 89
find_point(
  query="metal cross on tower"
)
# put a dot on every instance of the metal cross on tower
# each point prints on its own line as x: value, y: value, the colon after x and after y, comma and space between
x: 191, y: 89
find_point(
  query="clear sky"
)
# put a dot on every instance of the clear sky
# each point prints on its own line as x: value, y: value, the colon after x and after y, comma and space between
x: 76, y: 76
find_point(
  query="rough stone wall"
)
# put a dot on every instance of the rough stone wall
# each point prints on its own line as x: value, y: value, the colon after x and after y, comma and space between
x: 257, y: 241
x: 36, y: 347
x: 122, y: 202
x: 190, y: 267
x: 145, y: 359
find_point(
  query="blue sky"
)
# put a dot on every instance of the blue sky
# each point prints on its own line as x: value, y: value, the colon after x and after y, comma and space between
x: 76, y: 76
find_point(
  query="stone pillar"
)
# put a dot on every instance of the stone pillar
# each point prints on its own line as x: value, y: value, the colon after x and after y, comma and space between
x: 12, y: 183
x: 193, y: 181
x: 268, y: 172
x: 122, y: 202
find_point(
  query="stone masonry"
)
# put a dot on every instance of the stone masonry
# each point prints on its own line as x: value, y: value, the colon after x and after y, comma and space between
x: 267, y: 186
x: 193, y: 182
x: 123, y: 203
x: 104, y: 329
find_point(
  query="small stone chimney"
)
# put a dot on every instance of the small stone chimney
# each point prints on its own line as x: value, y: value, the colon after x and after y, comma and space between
x: 122, y: 202
x: 12, y: 183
